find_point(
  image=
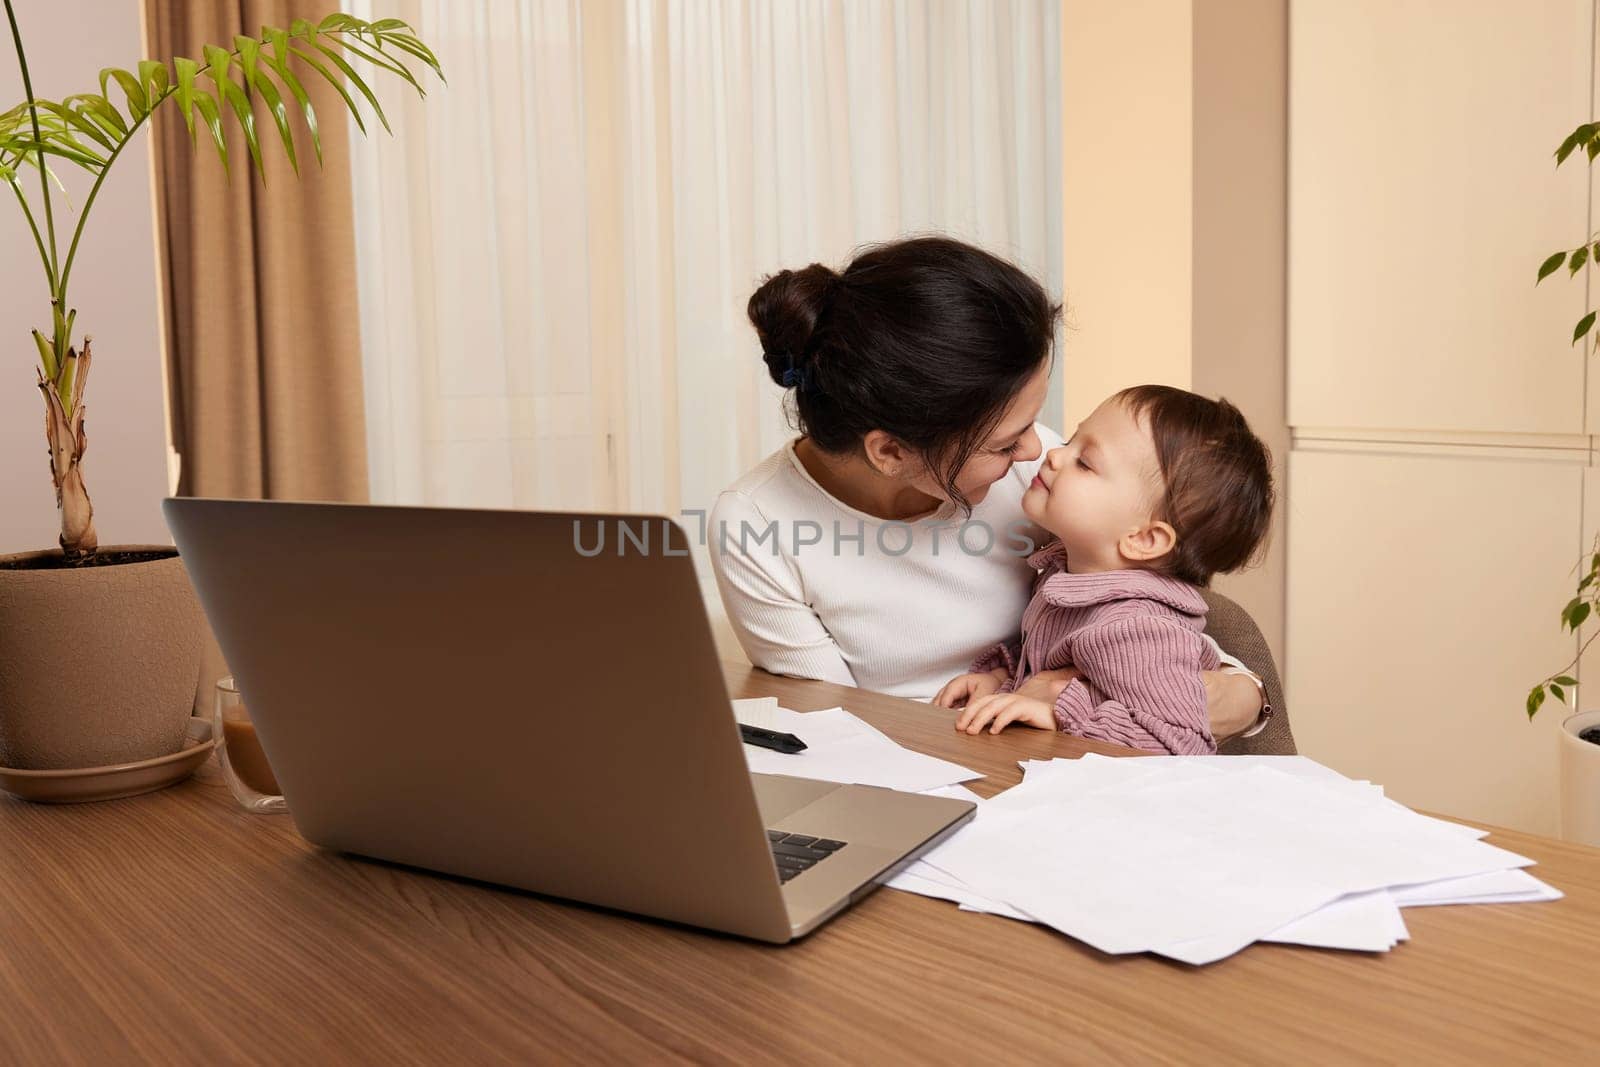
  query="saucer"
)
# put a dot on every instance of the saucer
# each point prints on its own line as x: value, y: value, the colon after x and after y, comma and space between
x: 118, y: 780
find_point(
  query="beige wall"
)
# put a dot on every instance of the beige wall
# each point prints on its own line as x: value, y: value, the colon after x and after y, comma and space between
x: 1127, y: 178
x: 113, y: 288
x: 1173, y: 168
x: 1440, y: 424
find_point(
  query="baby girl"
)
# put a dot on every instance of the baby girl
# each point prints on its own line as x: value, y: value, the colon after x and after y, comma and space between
x: 1157, y: 491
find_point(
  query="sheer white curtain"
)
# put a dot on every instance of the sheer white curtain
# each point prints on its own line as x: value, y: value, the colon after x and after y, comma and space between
x: 556, y: 250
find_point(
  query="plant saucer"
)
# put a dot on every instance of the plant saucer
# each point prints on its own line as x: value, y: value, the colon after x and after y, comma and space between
x: 84, y: 784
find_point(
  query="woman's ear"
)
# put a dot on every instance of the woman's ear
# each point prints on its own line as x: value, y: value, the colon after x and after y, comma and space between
x: 887, y: 456
x: 1149, y: 542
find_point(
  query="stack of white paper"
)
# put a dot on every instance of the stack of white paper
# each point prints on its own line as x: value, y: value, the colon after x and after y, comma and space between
x: 1198, y: 857
x: 842, y: 748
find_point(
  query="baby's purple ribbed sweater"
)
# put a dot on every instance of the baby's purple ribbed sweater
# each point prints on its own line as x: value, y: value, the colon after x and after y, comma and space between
x: 1135, y: 637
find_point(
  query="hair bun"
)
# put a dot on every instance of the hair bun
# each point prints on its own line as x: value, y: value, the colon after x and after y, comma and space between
x: 784, y: 311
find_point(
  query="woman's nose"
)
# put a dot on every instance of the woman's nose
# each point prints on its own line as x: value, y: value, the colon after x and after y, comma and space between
x: 1029, y: 447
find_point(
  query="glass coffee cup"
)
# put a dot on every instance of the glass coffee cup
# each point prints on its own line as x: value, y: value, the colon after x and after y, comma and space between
x: 244, y: 763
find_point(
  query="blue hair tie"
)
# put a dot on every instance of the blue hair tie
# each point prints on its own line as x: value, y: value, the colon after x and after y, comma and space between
x: 794, y: 376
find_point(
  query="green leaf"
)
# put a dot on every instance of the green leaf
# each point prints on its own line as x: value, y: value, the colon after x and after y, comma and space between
x: 278, y: 60
x: 1583, y: 327
x: 1566, y: 147
x: 67, y: 381
x: 1566, y: 680
x: 1535, y: 700
x: 62, y: 132
x: 47, y: 355
x: 186, y: 69
x: 337, y: 83
x: 1579, y: 257
x: 80, y: 123
x: 153, y: 76
x: 1549, y: 266
x: 1593, y: 149
x: 101, y: 110
x: 206, y: 104
x: 409, y: 44
x: 73, y: 151
x: 382, y: 61
x: 218, y: 65
x: 355, y: 79
x: 1558, y: 692
x: 248, y: 49
x: 138, y: 103
x: 1583, y: 135
x: 1579, y: 613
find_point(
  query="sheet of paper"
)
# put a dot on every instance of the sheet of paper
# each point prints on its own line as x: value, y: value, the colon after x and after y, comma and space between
x: 1365, y: 922
x: 842, y: 748
x: 1497, y: 887
x: 757, y: 711
x: 968, y: 900
x: 954, y: 792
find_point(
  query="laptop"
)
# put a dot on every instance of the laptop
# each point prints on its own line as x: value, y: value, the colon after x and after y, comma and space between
x: 530, y: 699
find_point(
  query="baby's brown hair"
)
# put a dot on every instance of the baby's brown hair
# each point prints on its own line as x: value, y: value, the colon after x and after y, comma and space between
x: 1217, y: 478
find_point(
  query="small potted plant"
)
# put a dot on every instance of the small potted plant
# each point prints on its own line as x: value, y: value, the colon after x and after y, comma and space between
x: 1580, y: 732
x: 100, y: 653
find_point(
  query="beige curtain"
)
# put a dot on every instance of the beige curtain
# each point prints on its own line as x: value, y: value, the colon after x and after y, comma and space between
x: 260, y: 288
x: 556, y: 249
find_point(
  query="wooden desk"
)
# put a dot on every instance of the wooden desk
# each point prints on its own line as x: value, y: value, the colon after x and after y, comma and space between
x: 176, y: 927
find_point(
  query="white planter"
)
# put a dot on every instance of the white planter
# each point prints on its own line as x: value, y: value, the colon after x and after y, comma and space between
x: 1580, y: 781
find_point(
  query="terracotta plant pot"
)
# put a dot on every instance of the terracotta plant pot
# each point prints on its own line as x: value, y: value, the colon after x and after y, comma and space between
x: 98, y: 665
x: 1580, y: 780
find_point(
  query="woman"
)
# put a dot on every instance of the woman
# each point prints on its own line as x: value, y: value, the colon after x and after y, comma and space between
x: 886, y: 547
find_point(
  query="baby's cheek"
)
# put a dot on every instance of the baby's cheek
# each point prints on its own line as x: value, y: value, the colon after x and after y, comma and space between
x: 1063, y: 508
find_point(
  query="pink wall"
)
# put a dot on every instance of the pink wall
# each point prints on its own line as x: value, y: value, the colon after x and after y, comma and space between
x: 113, y: 287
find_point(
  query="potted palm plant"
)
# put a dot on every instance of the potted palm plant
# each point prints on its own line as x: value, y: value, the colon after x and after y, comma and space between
x: 101, y: 645
x: 1580, y: 732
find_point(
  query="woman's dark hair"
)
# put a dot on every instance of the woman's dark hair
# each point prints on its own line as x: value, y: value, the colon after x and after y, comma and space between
x: 927, y: 339
x: 1218, y: 480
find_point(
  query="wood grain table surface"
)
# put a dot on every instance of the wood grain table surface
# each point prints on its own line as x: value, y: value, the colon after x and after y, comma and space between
x: 177, y: 928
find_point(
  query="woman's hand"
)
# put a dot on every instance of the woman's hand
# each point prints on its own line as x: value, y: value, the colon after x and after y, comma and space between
x: 962, y: 691
x: 1232, y: 703
x: 1002, y: 709
x: 1047, y: 685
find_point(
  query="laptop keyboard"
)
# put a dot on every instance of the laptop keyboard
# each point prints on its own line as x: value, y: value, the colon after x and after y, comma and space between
x: 796, y: 853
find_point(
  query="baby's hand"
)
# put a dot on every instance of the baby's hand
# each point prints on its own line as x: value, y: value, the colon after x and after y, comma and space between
x: 1002, y: 709
x: 969, y: 687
